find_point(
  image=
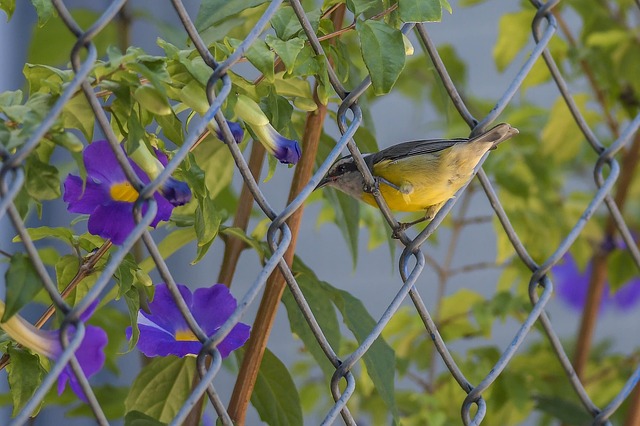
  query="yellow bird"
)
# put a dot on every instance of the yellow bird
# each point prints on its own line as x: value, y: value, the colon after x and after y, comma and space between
x: 417, y: 175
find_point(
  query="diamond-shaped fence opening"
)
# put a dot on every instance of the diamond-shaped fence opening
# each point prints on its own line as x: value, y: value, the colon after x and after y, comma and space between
x: 283, y: 225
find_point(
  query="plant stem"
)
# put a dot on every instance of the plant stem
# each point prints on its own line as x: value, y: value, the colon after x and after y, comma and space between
x: 234, y: 246
x: 124, y: 21
x: 599, y: 272
x: 255, y: 347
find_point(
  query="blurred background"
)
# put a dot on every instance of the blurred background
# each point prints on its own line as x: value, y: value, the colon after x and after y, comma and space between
x: 472, y: 32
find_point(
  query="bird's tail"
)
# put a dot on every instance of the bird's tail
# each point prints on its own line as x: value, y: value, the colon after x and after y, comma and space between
x: 496, y: 135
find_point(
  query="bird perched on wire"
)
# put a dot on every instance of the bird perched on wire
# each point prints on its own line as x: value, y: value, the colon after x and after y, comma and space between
x: 417, y: 175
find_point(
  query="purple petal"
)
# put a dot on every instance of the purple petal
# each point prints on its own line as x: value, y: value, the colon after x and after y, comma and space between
x: 212, y: 306
x: 571, y: 284
x: 101, y: 163
x: 628, y: 295
x: 84, y: 316
x: 236, y: 131
x: 157, y: 342
x: 112, y: 221
x: 287, y: 151
x: 91, y: 357
x: 176, y: 192
x: 164, y: 311
x: 84, y: 202
x: 163, y: 213
x: 161, y: 156
x: 235, y: 339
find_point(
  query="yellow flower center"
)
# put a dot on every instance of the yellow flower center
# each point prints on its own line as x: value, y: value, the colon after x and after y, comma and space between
x: 186, y: 336
x: 124, y: 192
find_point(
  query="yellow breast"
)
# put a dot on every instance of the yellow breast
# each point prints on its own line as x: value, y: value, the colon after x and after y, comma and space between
x: 425, y: 180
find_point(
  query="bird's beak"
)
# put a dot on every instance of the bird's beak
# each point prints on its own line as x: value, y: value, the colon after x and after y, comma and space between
x: 325, y: 180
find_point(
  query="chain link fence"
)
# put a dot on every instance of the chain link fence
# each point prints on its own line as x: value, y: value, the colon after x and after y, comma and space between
x: 411, y: 261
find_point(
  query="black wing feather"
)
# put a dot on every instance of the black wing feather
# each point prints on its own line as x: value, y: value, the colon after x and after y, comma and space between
x: 409, y: 149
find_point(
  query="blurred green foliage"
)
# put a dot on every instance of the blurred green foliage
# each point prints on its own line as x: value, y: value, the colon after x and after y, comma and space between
x: 152, y: 99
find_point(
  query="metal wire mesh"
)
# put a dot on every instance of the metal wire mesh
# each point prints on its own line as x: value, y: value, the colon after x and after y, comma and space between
x: 411, y: 262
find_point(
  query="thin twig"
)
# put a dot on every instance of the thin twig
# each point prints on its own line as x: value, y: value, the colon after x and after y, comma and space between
x: 472, y: 267
x: 352, y: 26
x: 86, y: 268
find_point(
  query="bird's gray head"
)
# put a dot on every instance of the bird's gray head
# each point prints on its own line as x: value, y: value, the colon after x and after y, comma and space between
x: 345, y: 176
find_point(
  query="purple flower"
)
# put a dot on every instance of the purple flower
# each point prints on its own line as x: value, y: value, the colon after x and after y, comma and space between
x: 108, y: 197
x: 165, y: 331
x: 176, y: 192
x: 90, y: 353
x: 236, y: 131
x: 285, y: 150
x: 573, y: 285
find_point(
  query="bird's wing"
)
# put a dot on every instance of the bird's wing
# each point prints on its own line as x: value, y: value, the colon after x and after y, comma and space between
x: 409, y: 149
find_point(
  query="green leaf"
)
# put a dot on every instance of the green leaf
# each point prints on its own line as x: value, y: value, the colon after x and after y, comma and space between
x: 380, y: 359
x: 68, y: 141
x: 77, y: 114
x: 162, y: 386
x: 514, y: 30
x: 279, y: 111
x: 609, y: 38
x: 292, y: 87
x: 152, y: 100
x: 44, y: 9
x: 46, y: 79
x: 22, y: 284
x: 9, y: 6
x: 347, y: 217
x: 287, y: 50
x: 285, y: 23
x: 42, y: 52
x: 111, y: 400
x: 213, y: 11
x: 11, y: 97
x: 420, y: 10
x: 113, y: 321
x: 361, y: 6
x: 43, y: 182
x: 136, y: 418
x: 25, y: 374
x: 169, y: 245
x: 622, y: 268
x: 215, y: 160
x: 63, y: 234
x: 207, y: 224
x: 324, y: 312
x: 567, y: 412
x: 561, y: 135
x: 275, y: 396
x: 132, y: 299
x: 261, y: 57
x: 240, y: 234
x: 456, y: 312
x: 66, y: 269
x: 382, y: 49
x: 171, y: 127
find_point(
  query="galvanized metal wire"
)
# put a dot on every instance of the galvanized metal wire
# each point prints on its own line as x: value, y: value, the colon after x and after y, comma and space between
x: 411, y: 261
